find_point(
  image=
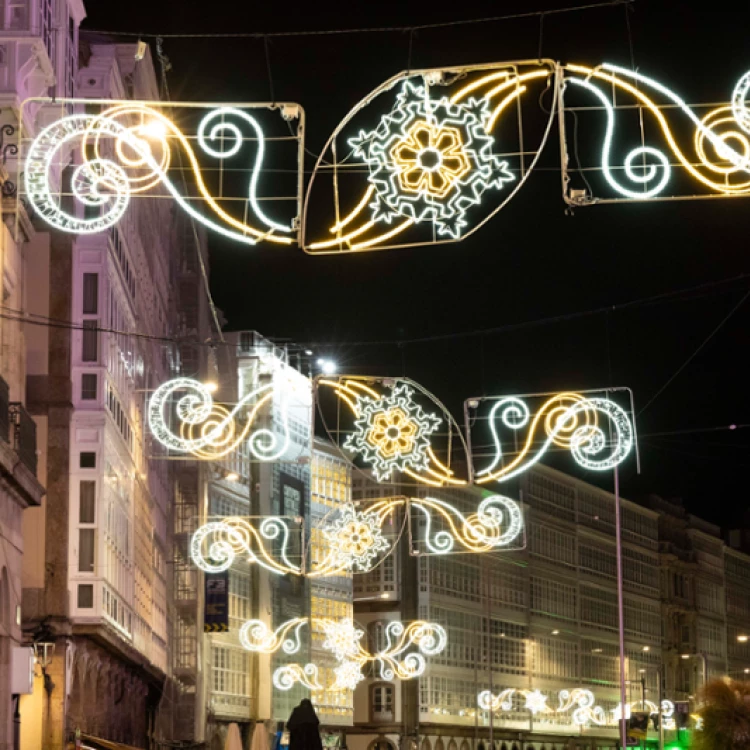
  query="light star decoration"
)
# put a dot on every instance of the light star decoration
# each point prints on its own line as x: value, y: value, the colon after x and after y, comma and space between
x: 355, y: 539
x: 536, y: 701
x: 392, y: 432
x: 348, y: 676
x: 342, y: 638
x: 430, y: 159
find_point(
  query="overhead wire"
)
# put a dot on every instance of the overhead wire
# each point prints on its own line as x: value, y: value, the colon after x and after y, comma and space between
x: 14, y: 314
x: 696, y: 352
x: 362, y: 30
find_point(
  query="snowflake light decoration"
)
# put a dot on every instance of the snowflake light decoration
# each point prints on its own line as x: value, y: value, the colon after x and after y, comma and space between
x: 348, y: 675
x: 342, y: 638
x: 536, y: 701
x: 355, y: 540
x: 392, y: 432
x: 431, y: 160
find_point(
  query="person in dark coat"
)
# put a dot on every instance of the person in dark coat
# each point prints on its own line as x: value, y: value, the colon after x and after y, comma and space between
x: 303, y: 727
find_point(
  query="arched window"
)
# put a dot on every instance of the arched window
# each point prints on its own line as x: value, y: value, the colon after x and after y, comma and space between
x: 481, y: 746
x: 439, y: 744
x: 426, y: 744
x: 381, y: 702
x: 465, y: 745
x: 452, y: 745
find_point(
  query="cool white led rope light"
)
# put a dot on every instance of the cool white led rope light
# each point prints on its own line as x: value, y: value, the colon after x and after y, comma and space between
x: 650, y: 171
x: 93, y: 175
x: 431, y: 159
x: 256, y: 636
x: 285, y: 678
x: 497, y: 522
x: 585, y: 441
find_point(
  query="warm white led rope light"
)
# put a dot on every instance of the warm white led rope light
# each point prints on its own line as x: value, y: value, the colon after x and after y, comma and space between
x: 649, y: 172
x: 482, y: 531
x: 256, y: 636
x: 430, y: 159
x: 217, y: 428
x: 103, y: 172
x: 585, y: 441
x: 582, y: 701
x: 342, y: 638
x: 392, y: 432
x: 429, y: 637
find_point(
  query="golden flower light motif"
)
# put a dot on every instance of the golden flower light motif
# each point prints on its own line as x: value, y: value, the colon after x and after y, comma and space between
x: 430, y: 159
x: 392, y: 432
x: 355, y: 540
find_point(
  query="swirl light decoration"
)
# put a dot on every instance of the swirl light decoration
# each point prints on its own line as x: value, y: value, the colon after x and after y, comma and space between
x: 215, y: 545
x: 579, y: 702
x: 208, y: 430
x: 126, y: 150
x: 717, y: 161
x: 596, y: 431
x: 286, y: 677
x: 395, y: 661
x: 497, y: 523
x: 451, y: 147
x: 256, y: 636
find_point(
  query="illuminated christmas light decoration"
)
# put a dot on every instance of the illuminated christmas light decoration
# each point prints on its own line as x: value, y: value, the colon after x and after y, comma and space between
x: 536, y: 701
x: 341, y: 638
x: 348, y: 676
x: 430, y: 160
x: 215, y: 545
x: 569, y: 421
x: 104, y: 183
x: 392, y: 432
x: 286, y: 677
x: 497, y: 523
x: 354, y: 539
x: 585, y: 712
x: 419, y: 156
x: 503, y: 701
x: 726, y: 173
x: 209, y: 430
x: 256, y: 636
x: 395, y: 663
x: 649, y: 174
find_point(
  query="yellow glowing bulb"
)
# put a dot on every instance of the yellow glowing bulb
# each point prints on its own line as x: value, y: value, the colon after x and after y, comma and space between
x: 154, y: 129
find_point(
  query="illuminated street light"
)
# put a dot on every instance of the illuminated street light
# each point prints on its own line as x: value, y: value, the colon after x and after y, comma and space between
x: 211, y: 386
x: 743, y: 638
x: 328, y: 366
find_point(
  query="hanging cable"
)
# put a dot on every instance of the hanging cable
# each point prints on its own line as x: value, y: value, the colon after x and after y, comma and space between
x: 695, y: 353
x: 372, y: 30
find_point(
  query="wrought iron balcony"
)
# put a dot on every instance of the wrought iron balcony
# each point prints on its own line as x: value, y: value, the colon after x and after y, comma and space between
x: 24, y: 435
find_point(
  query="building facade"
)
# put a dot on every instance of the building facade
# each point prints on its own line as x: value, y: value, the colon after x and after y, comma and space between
x: 38, y: 54
x: 96, y: 587
x: 545, y: 619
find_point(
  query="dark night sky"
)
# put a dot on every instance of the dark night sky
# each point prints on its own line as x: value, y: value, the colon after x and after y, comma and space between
x: 532, y: 261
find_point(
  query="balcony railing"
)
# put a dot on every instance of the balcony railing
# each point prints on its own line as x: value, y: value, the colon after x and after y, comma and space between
x: 24, y: 435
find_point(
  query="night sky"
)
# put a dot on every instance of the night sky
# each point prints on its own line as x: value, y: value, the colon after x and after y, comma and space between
x: 533, y: 261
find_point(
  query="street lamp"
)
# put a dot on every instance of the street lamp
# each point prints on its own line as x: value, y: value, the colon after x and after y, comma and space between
x: 327, y: 366
x: 743, y: 638
x: 700, y: 655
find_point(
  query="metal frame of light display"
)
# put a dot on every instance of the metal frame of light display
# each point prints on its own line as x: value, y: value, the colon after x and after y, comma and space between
x: 448, y: 150
x: 125, y: 149
x: 397, y: 429
x: 442, y: 151
x: 683, y: 151
x: 581, y: 704
x: 403, y: 656
x: 596, y: 430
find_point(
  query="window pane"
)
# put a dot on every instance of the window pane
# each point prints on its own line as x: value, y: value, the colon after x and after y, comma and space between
x: 90, y: 341
x: 87, y: 501
x: 86, y: 550
x: 88, y: 460
x: 90, y: 293
x: 88, y: 386
x: 85, y: 595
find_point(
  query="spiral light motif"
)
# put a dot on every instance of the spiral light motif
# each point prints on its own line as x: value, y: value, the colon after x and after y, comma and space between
x: 569, y: 421
x: 209, y: 430
x: 140, y: 159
